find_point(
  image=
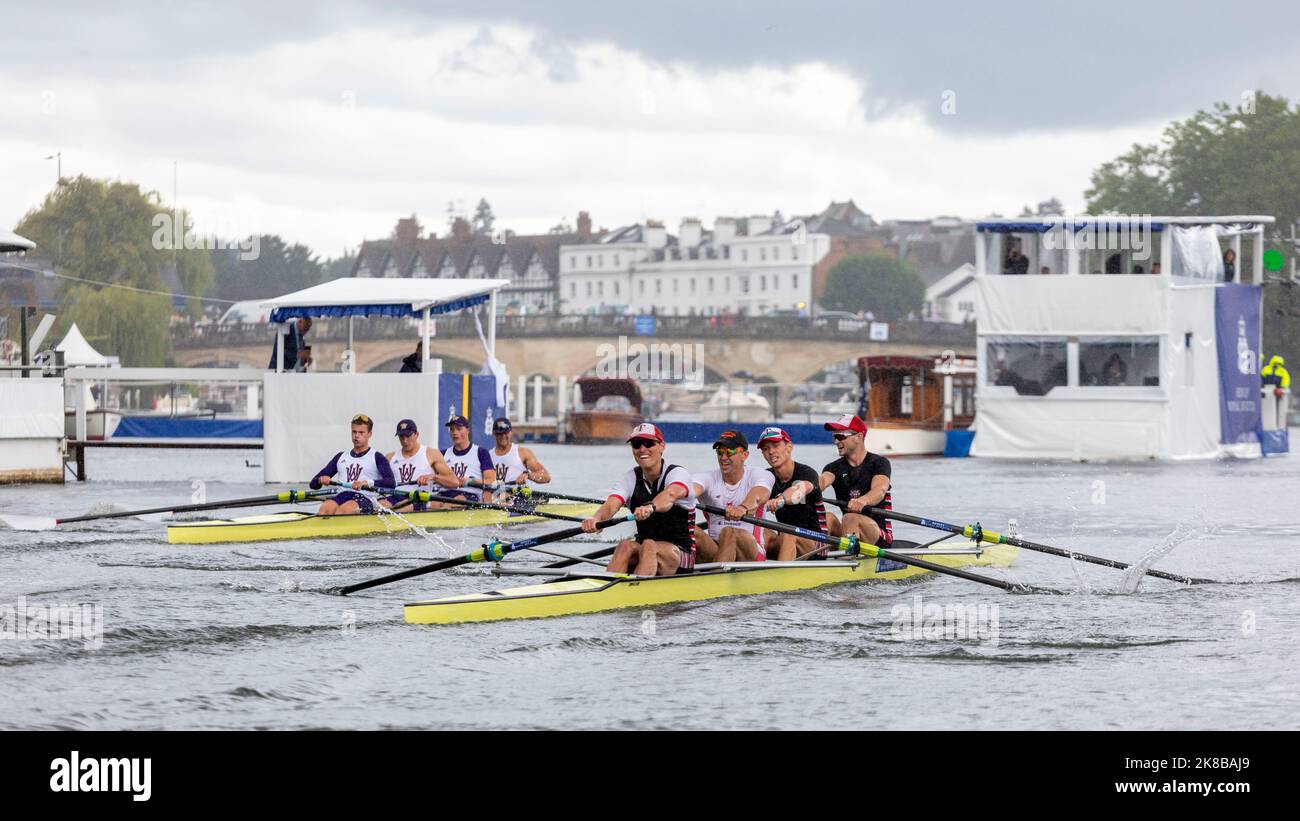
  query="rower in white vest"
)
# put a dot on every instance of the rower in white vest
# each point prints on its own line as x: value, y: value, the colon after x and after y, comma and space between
x: 414, y: 464
x: 467, y: 461
x: 515, y: 464
x: 363, y: 467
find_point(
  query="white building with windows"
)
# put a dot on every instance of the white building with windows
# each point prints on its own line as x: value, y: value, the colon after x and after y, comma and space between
x: 1158, y: 357
x: 952, y: 298
x: 750, y: 265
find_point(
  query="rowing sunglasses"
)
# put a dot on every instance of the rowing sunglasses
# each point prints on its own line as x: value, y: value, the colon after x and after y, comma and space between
x: 729, y: 451
x: 643, y: 444
x: 840, y: 437
x: 362, y: 419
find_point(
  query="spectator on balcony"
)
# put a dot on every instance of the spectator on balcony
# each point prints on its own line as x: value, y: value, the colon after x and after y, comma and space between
x: 1114, y: 263
x: 1155, y: 267
x: 1229, y: 265
x: 293, y: 332
x: 414, y: 363
x: 1017, y: 263
x: 1045, y: 271
x: 1115, y: 371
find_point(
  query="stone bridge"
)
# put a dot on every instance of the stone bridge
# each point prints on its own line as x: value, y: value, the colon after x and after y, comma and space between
x: 786, y: 351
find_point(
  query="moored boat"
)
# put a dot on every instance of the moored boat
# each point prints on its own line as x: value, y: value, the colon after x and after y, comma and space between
x: 575, y: 592
x: 299, y: 525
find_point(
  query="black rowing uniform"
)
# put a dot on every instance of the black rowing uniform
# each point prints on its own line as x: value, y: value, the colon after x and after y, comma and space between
x: 673, y: 525
x: 852, y: 482
x: 809, y: 514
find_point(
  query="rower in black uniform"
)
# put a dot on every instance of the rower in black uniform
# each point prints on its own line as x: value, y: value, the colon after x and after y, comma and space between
x: 860, y: 478
x: 661, y: 497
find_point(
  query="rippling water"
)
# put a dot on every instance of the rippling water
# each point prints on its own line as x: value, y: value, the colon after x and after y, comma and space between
x: 242, y: 636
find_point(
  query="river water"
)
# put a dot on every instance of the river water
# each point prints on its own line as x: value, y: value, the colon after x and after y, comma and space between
x: 236, y: 637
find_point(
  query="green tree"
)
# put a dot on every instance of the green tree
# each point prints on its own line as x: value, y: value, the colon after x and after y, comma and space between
x: 888, y: 287
x: 98, y: 231
x: 483, y: 219
x: 279, y: 268
x: 1229, y: 160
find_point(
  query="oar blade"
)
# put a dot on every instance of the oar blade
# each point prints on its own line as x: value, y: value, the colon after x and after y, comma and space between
x: 15, y: 521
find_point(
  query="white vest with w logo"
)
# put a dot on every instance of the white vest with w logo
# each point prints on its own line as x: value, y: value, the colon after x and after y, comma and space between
x: 408, y: 469
x: 355, y: 468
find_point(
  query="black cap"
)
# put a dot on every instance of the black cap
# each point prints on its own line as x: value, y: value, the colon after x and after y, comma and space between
x: 731, y: 439
x: 457, y: 420
x: 406, y: 426
x: 501, y: 425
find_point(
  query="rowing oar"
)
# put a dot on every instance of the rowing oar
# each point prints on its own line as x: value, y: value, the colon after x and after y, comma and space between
x: 493, y: 551
x: 288, y: 496
x: 854, y: 547
x: 526, y: 492
x: 979, y: 534
x: 478, y: 504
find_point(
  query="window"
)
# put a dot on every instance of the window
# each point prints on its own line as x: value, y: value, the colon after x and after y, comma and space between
x: 641, y: 287
x: 776, y: 252
x: 589, y: 289
x: 794, y: 281
x: 762, y: 282
x: 762, y: 254
x: 616, y: 260
x: 573, y: 289
x: 744, y: 285
x: 675, y: 284
x: 659, y: 286
x: 692, y: 281
x: 710, y: 284
x: 588, y: 260
x: 615, y: 287
x: 744, y: 254
x: 794, y: 253
x: 1033, y: 366
x: 600, y: 260
x: 600, y: 289
x: 1119, y: 361
x: 573, y: 262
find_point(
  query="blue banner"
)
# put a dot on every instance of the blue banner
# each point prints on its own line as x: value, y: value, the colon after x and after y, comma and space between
x: 472, y: 396
x: 1237, y: 310
x: 645, y: 325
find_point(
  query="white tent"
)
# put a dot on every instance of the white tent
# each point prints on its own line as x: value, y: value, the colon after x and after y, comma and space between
x: 77, y: 352
x: 249, y: 310
x: 9, y: 241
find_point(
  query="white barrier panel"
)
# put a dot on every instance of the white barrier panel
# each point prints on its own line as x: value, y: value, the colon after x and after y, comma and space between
x: 306, y: 416
x: 31, y: 430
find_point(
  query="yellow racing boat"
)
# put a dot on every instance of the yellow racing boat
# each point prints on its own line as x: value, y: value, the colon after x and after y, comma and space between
x: 573, y: 592
x: 300, y: 525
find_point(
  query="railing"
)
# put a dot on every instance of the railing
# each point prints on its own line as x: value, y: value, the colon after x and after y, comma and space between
x: 938, y: 334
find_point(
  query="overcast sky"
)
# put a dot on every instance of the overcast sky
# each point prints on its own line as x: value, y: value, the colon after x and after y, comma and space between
x: 325, y: 121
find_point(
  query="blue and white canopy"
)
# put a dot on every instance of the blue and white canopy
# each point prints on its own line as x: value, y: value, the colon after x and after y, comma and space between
x: 9, y: 241
x: 363, y: 296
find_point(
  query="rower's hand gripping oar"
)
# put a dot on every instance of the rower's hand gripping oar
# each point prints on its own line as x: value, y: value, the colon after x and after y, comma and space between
x: 526, y: 492
x: 493, y: 551
x: 853, y: 546
x: 978, y: 534
x: 286, y: 497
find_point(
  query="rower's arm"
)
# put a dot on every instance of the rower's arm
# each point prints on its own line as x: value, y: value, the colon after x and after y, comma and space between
x: 826, y: 479
x: 327, y: 472
x: 387, y: 480
x: 667, y: 496
x: 537, y: 472
x: 756, y: 498
x: 796, y: 493
x: 608, y: 509
x: 442, y: 472
x: 879, y: 487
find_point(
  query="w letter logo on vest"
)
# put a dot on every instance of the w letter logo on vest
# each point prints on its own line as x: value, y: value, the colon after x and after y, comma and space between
x: 407, y: 472
x: 354, y: 472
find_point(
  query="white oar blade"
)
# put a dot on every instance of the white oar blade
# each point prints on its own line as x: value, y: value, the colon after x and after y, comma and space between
x: 18, y: 522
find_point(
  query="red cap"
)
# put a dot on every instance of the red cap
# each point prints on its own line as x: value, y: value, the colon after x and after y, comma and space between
x: 645, y: 430
x: 773, y: 434
x: 847, y: 422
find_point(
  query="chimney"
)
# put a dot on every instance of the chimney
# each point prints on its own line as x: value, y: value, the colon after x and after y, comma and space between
x: 408, y: 230
x: 688, y: 236
x: 654, y: 234
x: 724, y: 231
x: 759, y: 225
x: 460, y: 229
x: 584, y: 224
